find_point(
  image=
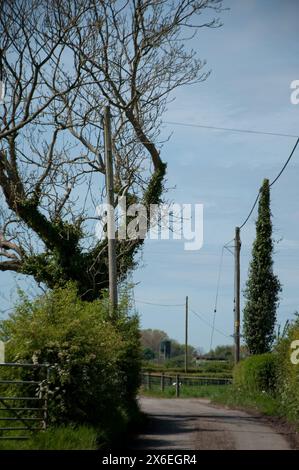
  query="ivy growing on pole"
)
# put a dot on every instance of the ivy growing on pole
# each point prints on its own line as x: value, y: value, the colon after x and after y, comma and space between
x: 263, y: 286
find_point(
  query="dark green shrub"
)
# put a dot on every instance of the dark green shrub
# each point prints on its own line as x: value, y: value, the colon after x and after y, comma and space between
x: 257, y: 373
x: 288, y: 373
x: 95, y: 363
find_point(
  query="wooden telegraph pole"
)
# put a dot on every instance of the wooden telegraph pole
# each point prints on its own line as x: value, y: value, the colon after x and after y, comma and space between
x: 186, y: 336
x: 110, y: 211
x: 237, y: 295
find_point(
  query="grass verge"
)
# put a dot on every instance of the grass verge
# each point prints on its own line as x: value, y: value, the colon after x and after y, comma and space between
x: 60, y: 438
x: 203, y: 391
x: 226, y: 395
x: 80, y: 437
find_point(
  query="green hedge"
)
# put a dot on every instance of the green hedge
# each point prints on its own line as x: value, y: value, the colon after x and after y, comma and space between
x: 257, y: 373
x: 96, y: 363
x: 288, y: 376
x: 274, y: 373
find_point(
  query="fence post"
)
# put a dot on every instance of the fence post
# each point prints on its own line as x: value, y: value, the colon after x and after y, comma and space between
x: 177, y: 386
x: 162, y: 382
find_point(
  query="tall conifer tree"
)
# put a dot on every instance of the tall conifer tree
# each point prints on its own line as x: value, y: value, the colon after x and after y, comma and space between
x: 262, y: 287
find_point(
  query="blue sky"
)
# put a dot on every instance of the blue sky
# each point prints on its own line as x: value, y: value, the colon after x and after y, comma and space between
x: 253, y: 57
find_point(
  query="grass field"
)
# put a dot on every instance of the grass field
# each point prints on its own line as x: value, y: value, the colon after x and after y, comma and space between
x: 207, y: 369
x: 203, y: 391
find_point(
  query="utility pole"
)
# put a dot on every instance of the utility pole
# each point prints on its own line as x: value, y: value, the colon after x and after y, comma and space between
x: 237, y: 295
x: 186, y: 335
x: 110, y: 211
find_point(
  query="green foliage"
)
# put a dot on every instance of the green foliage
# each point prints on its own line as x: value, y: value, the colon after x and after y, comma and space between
x: 270, y: 382
x: 267, y: 382
x: 257, y: 373
x: 95, y: 363
x: 67, y: 438
x: 65, y: 260
x: 187, y: 391
x: 227, y: 395
x: 225, y: 352
x: 148, y: 354
x: 178, y: 349
x: 155, y: 187
x: 232, y: 396
x: 151, y: 340
x: 60, y: 438
x: 288, y: 377
x: 177, y: 359
x: 262, y: 287
x: 216, y: 367
x: 206, y: 369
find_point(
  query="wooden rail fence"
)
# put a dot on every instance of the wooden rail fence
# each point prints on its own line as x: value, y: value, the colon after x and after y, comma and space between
x: 154, y: 381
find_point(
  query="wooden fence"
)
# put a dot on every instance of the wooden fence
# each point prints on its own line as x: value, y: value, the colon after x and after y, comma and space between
x: 162, y: 381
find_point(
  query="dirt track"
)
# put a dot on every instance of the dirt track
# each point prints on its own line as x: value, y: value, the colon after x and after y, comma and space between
x: 194, y: 424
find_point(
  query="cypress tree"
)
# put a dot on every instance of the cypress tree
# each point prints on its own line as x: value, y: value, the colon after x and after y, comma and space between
x: 262, y: 287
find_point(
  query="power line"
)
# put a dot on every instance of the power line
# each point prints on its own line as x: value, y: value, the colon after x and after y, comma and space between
x: 213, y: 328
x: 227, y: 246
x: 252, y: 209
x: 158, y: 305
x: 182, y: 305
x: 230, y: 129
x: 208, y: 323
x: 271, y: 184
x: 286, y: 164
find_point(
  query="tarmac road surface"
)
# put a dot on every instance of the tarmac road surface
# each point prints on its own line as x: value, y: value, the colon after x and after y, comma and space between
x: 195, y: 424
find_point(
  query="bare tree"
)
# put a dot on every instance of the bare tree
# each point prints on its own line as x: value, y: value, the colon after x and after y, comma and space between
x: 61, y: 62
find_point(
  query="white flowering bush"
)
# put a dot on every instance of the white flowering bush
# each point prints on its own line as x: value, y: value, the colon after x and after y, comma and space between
x: 95, y: 362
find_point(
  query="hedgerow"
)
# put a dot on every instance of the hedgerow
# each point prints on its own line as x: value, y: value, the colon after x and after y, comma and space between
x: 95, y: 362
x: 288, y: 373
x: 257, y: 373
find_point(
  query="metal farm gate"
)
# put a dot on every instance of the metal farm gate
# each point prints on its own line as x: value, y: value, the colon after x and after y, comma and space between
x: 23, y: 399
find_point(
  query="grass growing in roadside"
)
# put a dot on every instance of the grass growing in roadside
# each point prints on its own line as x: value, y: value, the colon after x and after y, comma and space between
x: 121, y: 426
x: 226, y: 395
x: 258, y: 401
x: 202, y: 391
x: 62, y: 438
